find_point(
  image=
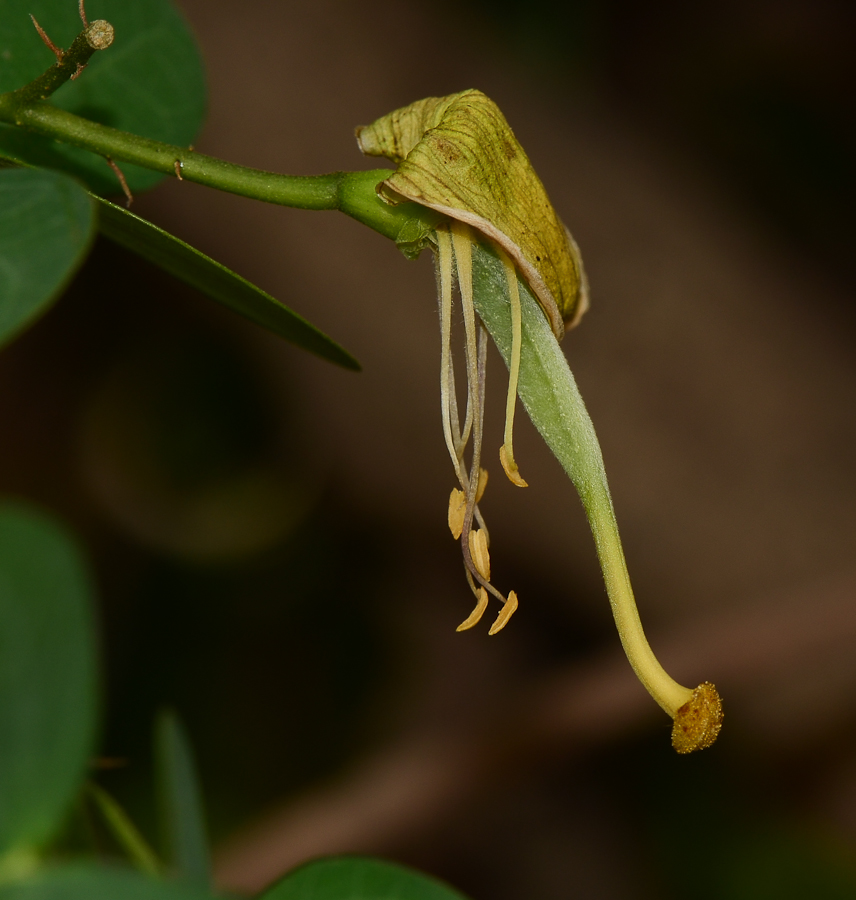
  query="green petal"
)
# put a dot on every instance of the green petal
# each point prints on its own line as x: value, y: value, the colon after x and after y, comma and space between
x: 459, y: 156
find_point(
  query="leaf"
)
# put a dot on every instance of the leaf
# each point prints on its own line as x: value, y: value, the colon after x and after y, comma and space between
x: 218, y: 282
x: 46, y: 227
x: 150, y: 81
x: 181, y: 801
x: 90, y: 883
x: 357, y: 878
x: 125, y: 831
x: 47, y: 675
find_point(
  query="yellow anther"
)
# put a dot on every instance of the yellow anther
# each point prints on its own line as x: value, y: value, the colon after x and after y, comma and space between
x: 475, y: 616
x: 480, y: 487
x: 478, y: 551
x: 457, y: 511
x: 505, y: 613
x: 510, y: 467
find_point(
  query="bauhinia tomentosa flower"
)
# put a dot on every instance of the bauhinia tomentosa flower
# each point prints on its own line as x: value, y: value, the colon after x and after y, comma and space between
x: 498, y: 232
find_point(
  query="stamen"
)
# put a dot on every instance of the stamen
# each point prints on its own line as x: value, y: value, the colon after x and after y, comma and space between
x: 479, y: 553
x: 505, y: 613
x: 477, y: 394
x: 462, y: 242
x: 481, y: 486
x: 454, y: 258
x: 475, y: 616
x: 457, y: 511
x: 487, y: 586
x: 506, y: 453
x: 444, y: 266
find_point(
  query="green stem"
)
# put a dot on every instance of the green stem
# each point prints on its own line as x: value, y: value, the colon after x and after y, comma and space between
x: 125, y: 832
x: 96, y: 36
x: 352, y: 193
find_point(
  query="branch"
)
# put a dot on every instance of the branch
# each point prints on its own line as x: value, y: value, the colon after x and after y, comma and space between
x: 98, y: 35
x: 352, y: 193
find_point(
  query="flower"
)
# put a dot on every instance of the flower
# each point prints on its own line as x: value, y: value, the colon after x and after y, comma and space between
x: 499, y: 235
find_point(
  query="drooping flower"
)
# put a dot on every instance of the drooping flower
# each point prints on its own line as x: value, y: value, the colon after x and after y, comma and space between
x: 458, y: 156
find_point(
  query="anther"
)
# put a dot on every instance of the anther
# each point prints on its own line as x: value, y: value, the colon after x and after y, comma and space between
x: 505, y: 613
x: 475, y: 616
x: 479, y: 552
x: 509, y: 466
x: 480, y: 487
x: 457, y: 512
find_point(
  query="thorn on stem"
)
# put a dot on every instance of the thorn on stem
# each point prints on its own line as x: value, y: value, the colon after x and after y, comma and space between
x: 57, y: 52
x: 178, y: 166
x: 82, y: 12
x: 77, y: 71
x: 125, y: 189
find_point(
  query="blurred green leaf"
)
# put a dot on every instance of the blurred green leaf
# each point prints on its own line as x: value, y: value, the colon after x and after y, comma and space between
x: 47, y: 675
x: 218, y: 282
x: 181, y: 802
x: 770, y: 862
x: 123, y: 829
x: 358, y: 878
x: 46, y: 226
x: 150, y: 81
x: 90, y: 883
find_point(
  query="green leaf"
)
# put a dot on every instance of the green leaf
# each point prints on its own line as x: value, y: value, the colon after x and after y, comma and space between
x: 358, y: 878
x: 47, y: 223
x: 90, y: 883
x: 125, y: 831
x: 218, y: 282
x: 150, y: 81
x: 181, y: 801
x: 47, y: 675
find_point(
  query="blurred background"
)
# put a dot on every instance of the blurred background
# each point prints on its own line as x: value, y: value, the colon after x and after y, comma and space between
x: 268, y: 532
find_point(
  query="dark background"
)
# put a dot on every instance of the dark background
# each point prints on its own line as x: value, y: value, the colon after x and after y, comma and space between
x: 268, y: 532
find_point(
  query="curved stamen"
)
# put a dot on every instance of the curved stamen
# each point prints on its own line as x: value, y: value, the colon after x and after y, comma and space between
x: 506, y: 452
x: 475, y: 616
x: 447, y: 385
